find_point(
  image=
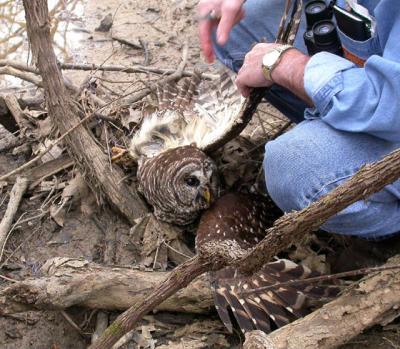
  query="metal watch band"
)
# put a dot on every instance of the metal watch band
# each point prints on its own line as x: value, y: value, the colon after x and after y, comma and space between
x: 267, y: 70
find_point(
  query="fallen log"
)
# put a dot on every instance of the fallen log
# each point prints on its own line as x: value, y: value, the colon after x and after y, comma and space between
x: 372, y: 301
x: 75, y: 282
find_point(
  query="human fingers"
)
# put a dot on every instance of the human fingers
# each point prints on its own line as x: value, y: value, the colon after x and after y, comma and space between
x: 250, y: 74
x: 205, y: 29
x: 231, y: 13
x: 204, y: 8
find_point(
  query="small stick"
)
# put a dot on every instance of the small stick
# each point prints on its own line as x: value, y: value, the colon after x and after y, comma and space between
x: 146, y: 51
x: 32, y: 78
x: 101, y: 325
x: 127, y: 42
x: 38, y: 157
x: 89, y: 67
x: 174, y: 76
x: 16, y: 111
x: 356, y: 272
x: 72, y: 322
x: 18, y: 190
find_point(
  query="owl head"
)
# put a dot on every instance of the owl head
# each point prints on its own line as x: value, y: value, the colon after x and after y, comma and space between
x: 179, y: 183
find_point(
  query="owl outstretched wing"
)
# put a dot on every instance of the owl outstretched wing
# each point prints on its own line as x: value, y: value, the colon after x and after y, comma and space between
x: 197, y: 112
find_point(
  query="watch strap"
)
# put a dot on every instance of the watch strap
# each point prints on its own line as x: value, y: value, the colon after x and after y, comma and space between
x: 267, y: 70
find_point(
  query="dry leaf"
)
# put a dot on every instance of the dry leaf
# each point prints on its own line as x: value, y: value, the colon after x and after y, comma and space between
x: 54, y: 152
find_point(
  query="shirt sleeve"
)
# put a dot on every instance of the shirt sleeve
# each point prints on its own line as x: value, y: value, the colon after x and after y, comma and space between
x: 355, y: 99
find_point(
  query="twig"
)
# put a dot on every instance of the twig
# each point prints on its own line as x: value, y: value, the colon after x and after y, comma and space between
x: 115, y: 68
x: 101, y: 325
x: 18, y: 190
x: 72, y: 322
x: 146, y: 51
x: 16, y: 111
x: 127, y: 42
x: 7, y: 278
x: 32, y: 78
x: 44, y: 152
x: 350, y: 273
x: 174, y: 76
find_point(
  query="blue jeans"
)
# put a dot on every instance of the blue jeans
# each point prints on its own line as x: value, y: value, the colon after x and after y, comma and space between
x: 313, y: 158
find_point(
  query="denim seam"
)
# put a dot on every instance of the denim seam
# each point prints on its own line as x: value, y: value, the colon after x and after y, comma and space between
x: 325, y: 185
x: 323, y: 96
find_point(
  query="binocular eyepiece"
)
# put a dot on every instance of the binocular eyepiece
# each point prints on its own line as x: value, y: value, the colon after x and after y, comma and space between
x: 321, y: 34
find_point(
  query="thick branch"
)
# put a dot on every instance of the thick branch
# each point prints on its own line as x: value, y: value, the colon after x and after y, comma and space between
x: 292, y: 226
x: 74, y: 282
x: 65, y: 114
x: 179, y: 278
x: 374, y: 300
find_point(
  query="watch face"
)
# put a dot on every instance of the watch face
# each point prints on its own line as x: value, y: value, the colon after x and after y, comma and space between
x: 270, y: 58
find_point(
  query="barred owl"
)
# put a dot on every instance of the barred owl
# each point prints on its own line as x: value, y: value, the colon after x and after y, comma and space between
x: 174, y: 173
x: 237, y: 222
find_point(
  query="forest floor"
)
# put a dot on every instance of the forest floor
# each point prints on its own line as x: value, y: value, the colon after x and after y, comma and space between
x: 85, y: 230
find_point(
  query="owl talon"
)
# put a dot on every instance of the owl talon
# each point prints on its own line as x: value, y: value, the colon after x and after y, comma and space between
x: 118, y: 153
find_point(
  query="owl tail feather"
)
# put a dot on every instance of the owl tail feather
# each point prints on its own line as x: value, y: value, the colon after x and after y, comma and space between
x: 268, y: 309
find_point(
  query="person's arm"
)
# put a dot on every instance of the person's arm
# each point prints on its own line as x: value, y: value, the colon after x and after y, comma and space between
x: 289, y: 73
x: 367, y: 99
x: 356, y: 99
x: 345, y: 96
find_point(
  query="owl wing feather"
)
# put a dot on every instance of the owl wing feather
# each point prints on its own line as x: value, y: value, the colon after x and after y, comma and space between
x: 239, y: 221
x: 206, y: 114
x: 269, y: 308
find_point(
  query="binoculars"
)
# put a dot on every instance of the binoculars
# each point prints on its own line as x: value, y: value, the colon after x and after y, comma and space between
x: 321, y: 33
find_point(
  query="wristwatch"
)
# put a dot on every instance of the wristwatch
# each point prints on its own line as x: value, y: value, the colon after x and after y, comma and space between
x: 272, y: 58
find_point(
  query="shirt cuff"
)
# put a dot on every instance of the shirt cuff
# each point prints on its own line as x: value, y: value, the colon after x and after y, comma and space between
x: 323, y: 78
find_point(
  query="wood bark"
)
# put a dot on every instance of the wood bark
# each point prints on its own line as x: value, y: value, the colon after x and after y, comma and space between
x: 179, y: 278
x: 16, y: 111
x: 17, y: 192
x: 7, y: 139
x: 65, y: 113
x: 75, y: 282
x: 290, y: 228
x: 374, y: 300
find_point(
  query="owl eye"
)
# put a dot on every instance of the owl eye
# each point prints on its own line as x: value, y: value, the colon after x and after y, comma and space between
x: 192, y: 182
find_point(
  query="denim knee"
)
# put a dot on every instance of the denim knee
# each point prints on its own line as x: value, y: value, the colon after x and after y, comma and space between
x: 311, y: 160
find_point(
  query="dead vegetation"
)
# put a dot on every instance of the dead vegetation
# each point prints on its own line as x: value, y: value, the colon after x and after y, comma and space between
x: 78, y: 244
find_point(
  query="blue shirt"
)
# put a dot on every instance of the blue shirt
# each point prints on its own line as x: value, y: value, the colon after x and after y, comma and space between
x: 366, y: 99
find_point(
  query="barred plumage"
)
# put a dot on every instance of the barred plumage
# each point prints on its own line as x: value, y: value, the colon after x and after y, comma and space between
x: 175, y: 175
x: 241, y: 220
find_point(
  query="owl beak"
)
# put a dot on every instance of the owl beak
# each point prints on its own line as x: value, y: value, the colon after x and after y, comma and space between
x: 207, y: 195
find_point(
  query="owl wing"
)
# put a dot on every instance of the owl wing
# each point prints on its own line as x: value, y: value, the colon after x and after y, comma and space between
x: 205, y: 113
x: 237, y: 221
x: 268, y: 309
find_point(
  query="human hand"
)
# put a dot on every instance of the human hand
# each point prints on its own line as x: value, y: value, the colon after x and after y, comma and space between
x: 288, y: 73
x: 227, y: 14
x: 250, y: 74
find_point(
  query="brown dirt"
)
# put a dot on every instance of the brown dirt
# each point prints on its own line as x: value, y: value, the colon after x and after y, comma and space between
x: 101, y: 235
